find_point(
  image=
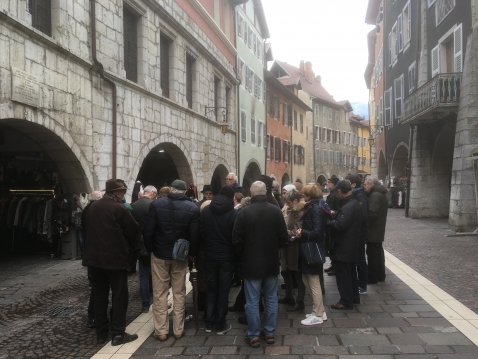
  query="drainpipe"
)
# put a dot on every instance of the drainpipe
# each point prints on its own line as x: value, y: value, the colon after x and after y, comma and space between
x: 410, y: 155
x: 101, y: 71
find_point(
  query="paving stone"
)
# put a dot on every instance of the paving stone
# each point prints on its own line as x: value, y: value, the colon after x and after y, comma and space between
x: 368, y: 330
x: 286, y: 331
x: 416, y: 308
x: 359, y: 350
x: 276, y: 350
x: 379, y: 315
x: 445, y: 329
x: 438, y: 349
x: 406, y: 295
x: 275, y: 356
x: 196, y: 350
x: 466, y: 349
x: 405, y: 315
x: 430, y: 315
x: 457, y: 356
x: 247, y: 350
x: 412, y: 349
x: 369, y: 308
x: 170, y: 351
x: 335, y: 350
x: 349, y: 323
x: 190, y: 341
x: 357, y: 315
x: 427, y: 322
x: 328, y: 340
x: 319, y: 357
x: 225, y: 350
x: 220, y: 356
x: 385, y: 349
x: 300, y: 340
x: 406, y: 339
x: 416, y: 301
x: 389, y: 330
x: 418, y: 330
x: 363, y: 339
x: 141, y: 352
x: 299, y: 349
x: 445, y: 339
x: 386, y: 322
x: 216, y: 340
x: 334, y: 331
x: 371, y: 356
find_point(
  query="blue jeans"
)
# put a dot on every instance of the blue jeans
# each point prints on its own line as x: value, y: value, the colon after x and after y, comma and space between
x: 253, y: 293
x: 219, y: 279
x: 144, y: 278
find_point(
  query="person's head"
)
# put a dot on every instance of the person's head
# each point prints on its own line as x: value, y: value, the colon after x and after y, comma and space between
x: 178, y: 186
x: 227, y: 191
x: 332, y: 182
x: 207, y: 192
x: 311, y: 191
x: 275, y: 186
x: 164, y: 191
x: 287, y: 188
x: 231, y: 179
x: 238, y: 196
x: 116, y: 187
x: 258, y: 188
x: 96, y: 195
x: 370, y: 182
x: 343, y: 189
x: 354, y: 180
x: 298, y: 185
x: 267, y: 181
x: 291, y: 198
x: 150, y: 191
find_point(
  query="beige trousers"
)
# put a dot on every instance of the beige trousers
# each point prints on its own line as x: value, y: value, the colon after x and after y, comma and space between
x: 163, y: 273
x: 312, y: 283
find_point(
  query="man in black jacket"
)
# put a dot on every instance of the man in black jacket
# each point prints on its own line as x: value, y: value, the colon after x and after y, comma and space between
x: 169, y: 219
x: 345, y: 246
x: 216, y: 225
x: 259, y: 233
x: 140, y: 211
x: 333, y: 201
x: 361, y: 197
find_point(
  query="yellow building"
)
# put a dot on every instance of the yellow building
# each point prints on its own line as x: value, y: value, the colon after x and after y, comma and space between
x: 299, y: 144
x: 363, y: 147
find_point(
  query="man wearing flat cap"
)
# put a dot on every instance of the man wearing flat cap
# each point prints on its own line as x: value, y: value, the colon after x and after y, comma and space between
x: 170, y: 218
x: 111, y: 231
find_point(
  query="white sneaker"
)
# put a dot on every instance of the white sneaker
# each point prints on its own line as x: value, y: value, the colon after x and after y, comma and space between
x: 312, y: 320
x: 324, y: 316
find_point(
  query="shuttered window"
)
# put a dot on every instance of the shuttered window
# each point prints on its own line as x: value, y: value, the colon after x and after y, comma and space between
x: 41, y: 15
x: 411, y: 78
x: 130, y: 45
x: 286, y: 151
x: 295, y: 120
x: 317, y: 155
x: 240, y: 25
x: 259, y: 133
x: 387, y: 107
x: 325, y: 157
x: 398, y: 84
x: 271, y: 146
x: 331, y: 157
x: 243, y: 126
x: 289, y: 115
x: 189, y: 80
x: 301, y: 123
x: 277, y: 148
x: 435, y: 60
x: 164, y: 45
x: 400, y: 33
x: 253, y: 130
x: 457, y: 47
x: 285, y: 114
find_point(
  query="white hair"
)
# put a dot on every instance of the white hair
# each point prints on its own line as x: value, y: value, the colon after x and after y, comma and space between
x: 148, y: 189
x: 372, y: 180
x: 275, y: 185
x: 174, y: 190
x: 258, y: 188
x: 235, y: 177
x: 96, y: 195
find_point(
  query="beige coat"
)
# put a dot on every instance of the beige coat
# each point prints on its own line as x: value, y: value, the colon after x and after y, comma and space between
x: 290, y: 253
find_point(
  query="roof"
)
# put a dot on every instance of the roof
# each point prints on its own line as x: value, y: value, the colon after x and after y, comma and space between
x: 314, y: 88
x: 373, y: 8
x: 277, y: 85
x: 346, y: 105
x: 358, y: 120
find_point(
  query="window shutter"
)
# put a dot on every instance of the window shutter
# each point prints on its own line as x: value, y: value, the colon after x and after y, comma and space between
x: 278, y: 148
x: 131, y: 48
x: 240, y: 25
x: 289, y: 115
x: 409, y: 32
x: 400, y: 33
x: 271, y: 143
x: 388, y: 107
x: 255, y: 43
x: 253, y: 130
x: 245, y: 32
x: 243, y: 126
x: 284, y: 151
x: 457, y: 44
x: 265, y: 135
x: 390, y: 49
x: 398, y: 96
x: 436, y: 60
x: 259, y: 133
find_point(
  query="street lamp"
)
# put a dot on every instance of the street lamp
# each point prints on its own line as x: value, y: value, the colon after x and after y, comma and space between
x: 223, y: 125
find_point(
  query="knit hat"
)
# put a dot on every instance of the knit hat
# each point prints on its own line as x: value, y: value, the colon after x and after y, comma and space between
x: 227, y: 191
x: 179, y: 185
x: 267, y: 180
x: 288, y: 187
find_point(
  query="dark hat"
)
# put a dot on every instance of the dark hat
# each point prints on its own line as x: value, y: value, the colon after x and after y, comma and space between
x: 115, y: 185
x: 334, y: 180
x: 206, y: 188
x: 227, y: 191
x: 267, y: 180
x: 179, y: 185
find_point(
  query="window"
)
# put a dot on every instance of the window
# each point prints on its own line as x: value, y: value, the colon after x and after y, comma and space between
x: 324, y: 112
x: 217, y: 96
x: 277, y: 148
x: 337, y: 137
x: 285, y: 114
x: 289, y: 114
x: 337, y: 158
x: 228, y: 103
x: 241, y: 73
x: 442, y: 9
x: 240, y: 26
x: 268, y: 141
x: 276, y: 108
x: 295, y: 120
x: 189, y: 80
x: 301, y: 123
x: 259, y: 133
x: 390, y: 49
x: 398, y: 83
x: 331, y: 157
x: 407, y: 24
x: 253, y: 130
x: 436, y: 60
x: 259, y: 49
x: 251, y: 80
x: 271, y: 143
x: 245, y: 33
x: 329, y: 135
x: 330, y: 114
x: 411, y: 78
x: 317, y: 133
x: 325, y: 157
x: 130, y: 37
x: 457, y: 49
x: 317, y: 155
x: 324, y: 134
x: 394, y: 44
x: 286, y: 151
x: 41, y: 15
x: 257, y: 86
x: 164, y: 46
x: 316, y: 111
x: 355, y: 140
x: 336, y: 116
x: 400, y: 33
x: 243, y: 126
x: 254, y: 43
x: 249, y: 37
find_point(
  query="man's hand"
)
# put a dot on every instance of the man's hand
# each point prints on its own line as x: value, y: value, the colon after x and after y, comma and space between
x: 298, y: 233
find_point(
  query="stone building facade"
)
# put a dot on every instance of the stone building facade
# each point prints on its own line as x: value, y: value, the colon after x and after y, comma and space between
x: 157, y: 66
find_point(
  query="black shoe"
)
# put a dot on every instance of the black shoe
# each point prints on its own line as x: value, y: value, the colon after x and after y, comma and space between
x: 236, y: 283
x: 289, y: 301
x: 235, y: 309
x: 331, y: 268
x: 282, y: 286
x: 91, y: 323
x: 101, y: 338
x: 293, y: 286
x: 242, y: 320
x: 298, y: 306
x: 123, y: 338
x: 332, y: 272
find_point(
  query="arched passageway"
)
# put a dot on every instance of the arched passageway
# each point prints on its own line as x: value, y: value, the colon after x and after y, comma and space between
x: 218, y: 179
x: 164, y: 164
x: 251, y: 175
x: 382, y: 168
x: 285, y: 179
x: 399, y: 164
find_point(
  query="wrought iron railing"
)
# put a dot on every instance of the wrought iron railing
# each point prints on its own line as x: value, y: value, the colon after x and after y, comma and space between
x: 441, y: 91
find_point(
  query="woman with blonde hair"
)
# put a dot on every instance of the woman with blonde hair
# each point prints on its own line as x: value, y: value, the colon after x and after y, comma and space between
x: 314, y: 221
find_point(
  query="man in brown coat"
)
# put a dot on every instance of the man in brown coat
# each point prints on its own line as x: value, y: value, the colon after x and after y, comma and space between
x: 111, y: 231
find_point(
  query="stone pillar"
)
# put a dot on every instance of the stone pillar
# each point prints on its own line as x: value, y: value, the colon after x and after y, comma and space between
x: 463, y: 215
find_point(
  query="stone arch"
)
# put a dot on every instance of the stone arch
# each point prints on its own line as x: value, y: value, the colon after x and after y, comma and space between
x: 399, y: 162
x: 321, y: 179
x: 251, y: 174
x: 285, y: 180
x: 73, y: 168
x: 168, y: 142
x: 382, y: 167
x: 218, y: 179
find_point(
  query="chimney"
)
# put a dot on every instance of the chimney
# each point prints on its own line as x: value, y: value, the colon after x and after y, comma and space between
x: 301, y: 68
x: 319, y: 79
x: 309, y: 74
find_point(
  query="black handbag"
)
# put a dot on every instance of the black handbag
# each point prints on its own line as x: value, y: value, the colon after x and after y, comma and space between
x: 311, y: 253
x: 181, y: 245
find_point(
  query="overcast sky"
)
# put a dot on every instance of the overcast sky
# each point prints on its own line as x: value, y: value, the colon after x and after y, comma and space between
x: 332, y: 34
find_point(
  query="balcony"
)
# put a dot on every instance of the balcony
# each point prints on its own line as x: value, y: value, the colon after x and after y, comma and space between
x: 436, y: 99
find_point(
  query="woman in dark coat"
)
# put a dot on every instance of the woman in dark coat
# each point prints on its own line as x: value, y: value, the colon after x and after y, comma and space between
x: 314, y: 220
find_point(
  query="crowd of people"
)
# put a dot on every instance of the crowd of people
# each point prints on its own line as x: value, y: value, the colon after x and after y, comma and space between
x: 234, y: 239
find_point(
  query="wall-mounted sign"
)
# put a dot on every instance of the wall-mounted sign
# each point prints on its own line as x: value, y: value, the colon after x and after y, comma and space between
x: 25, y: 87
